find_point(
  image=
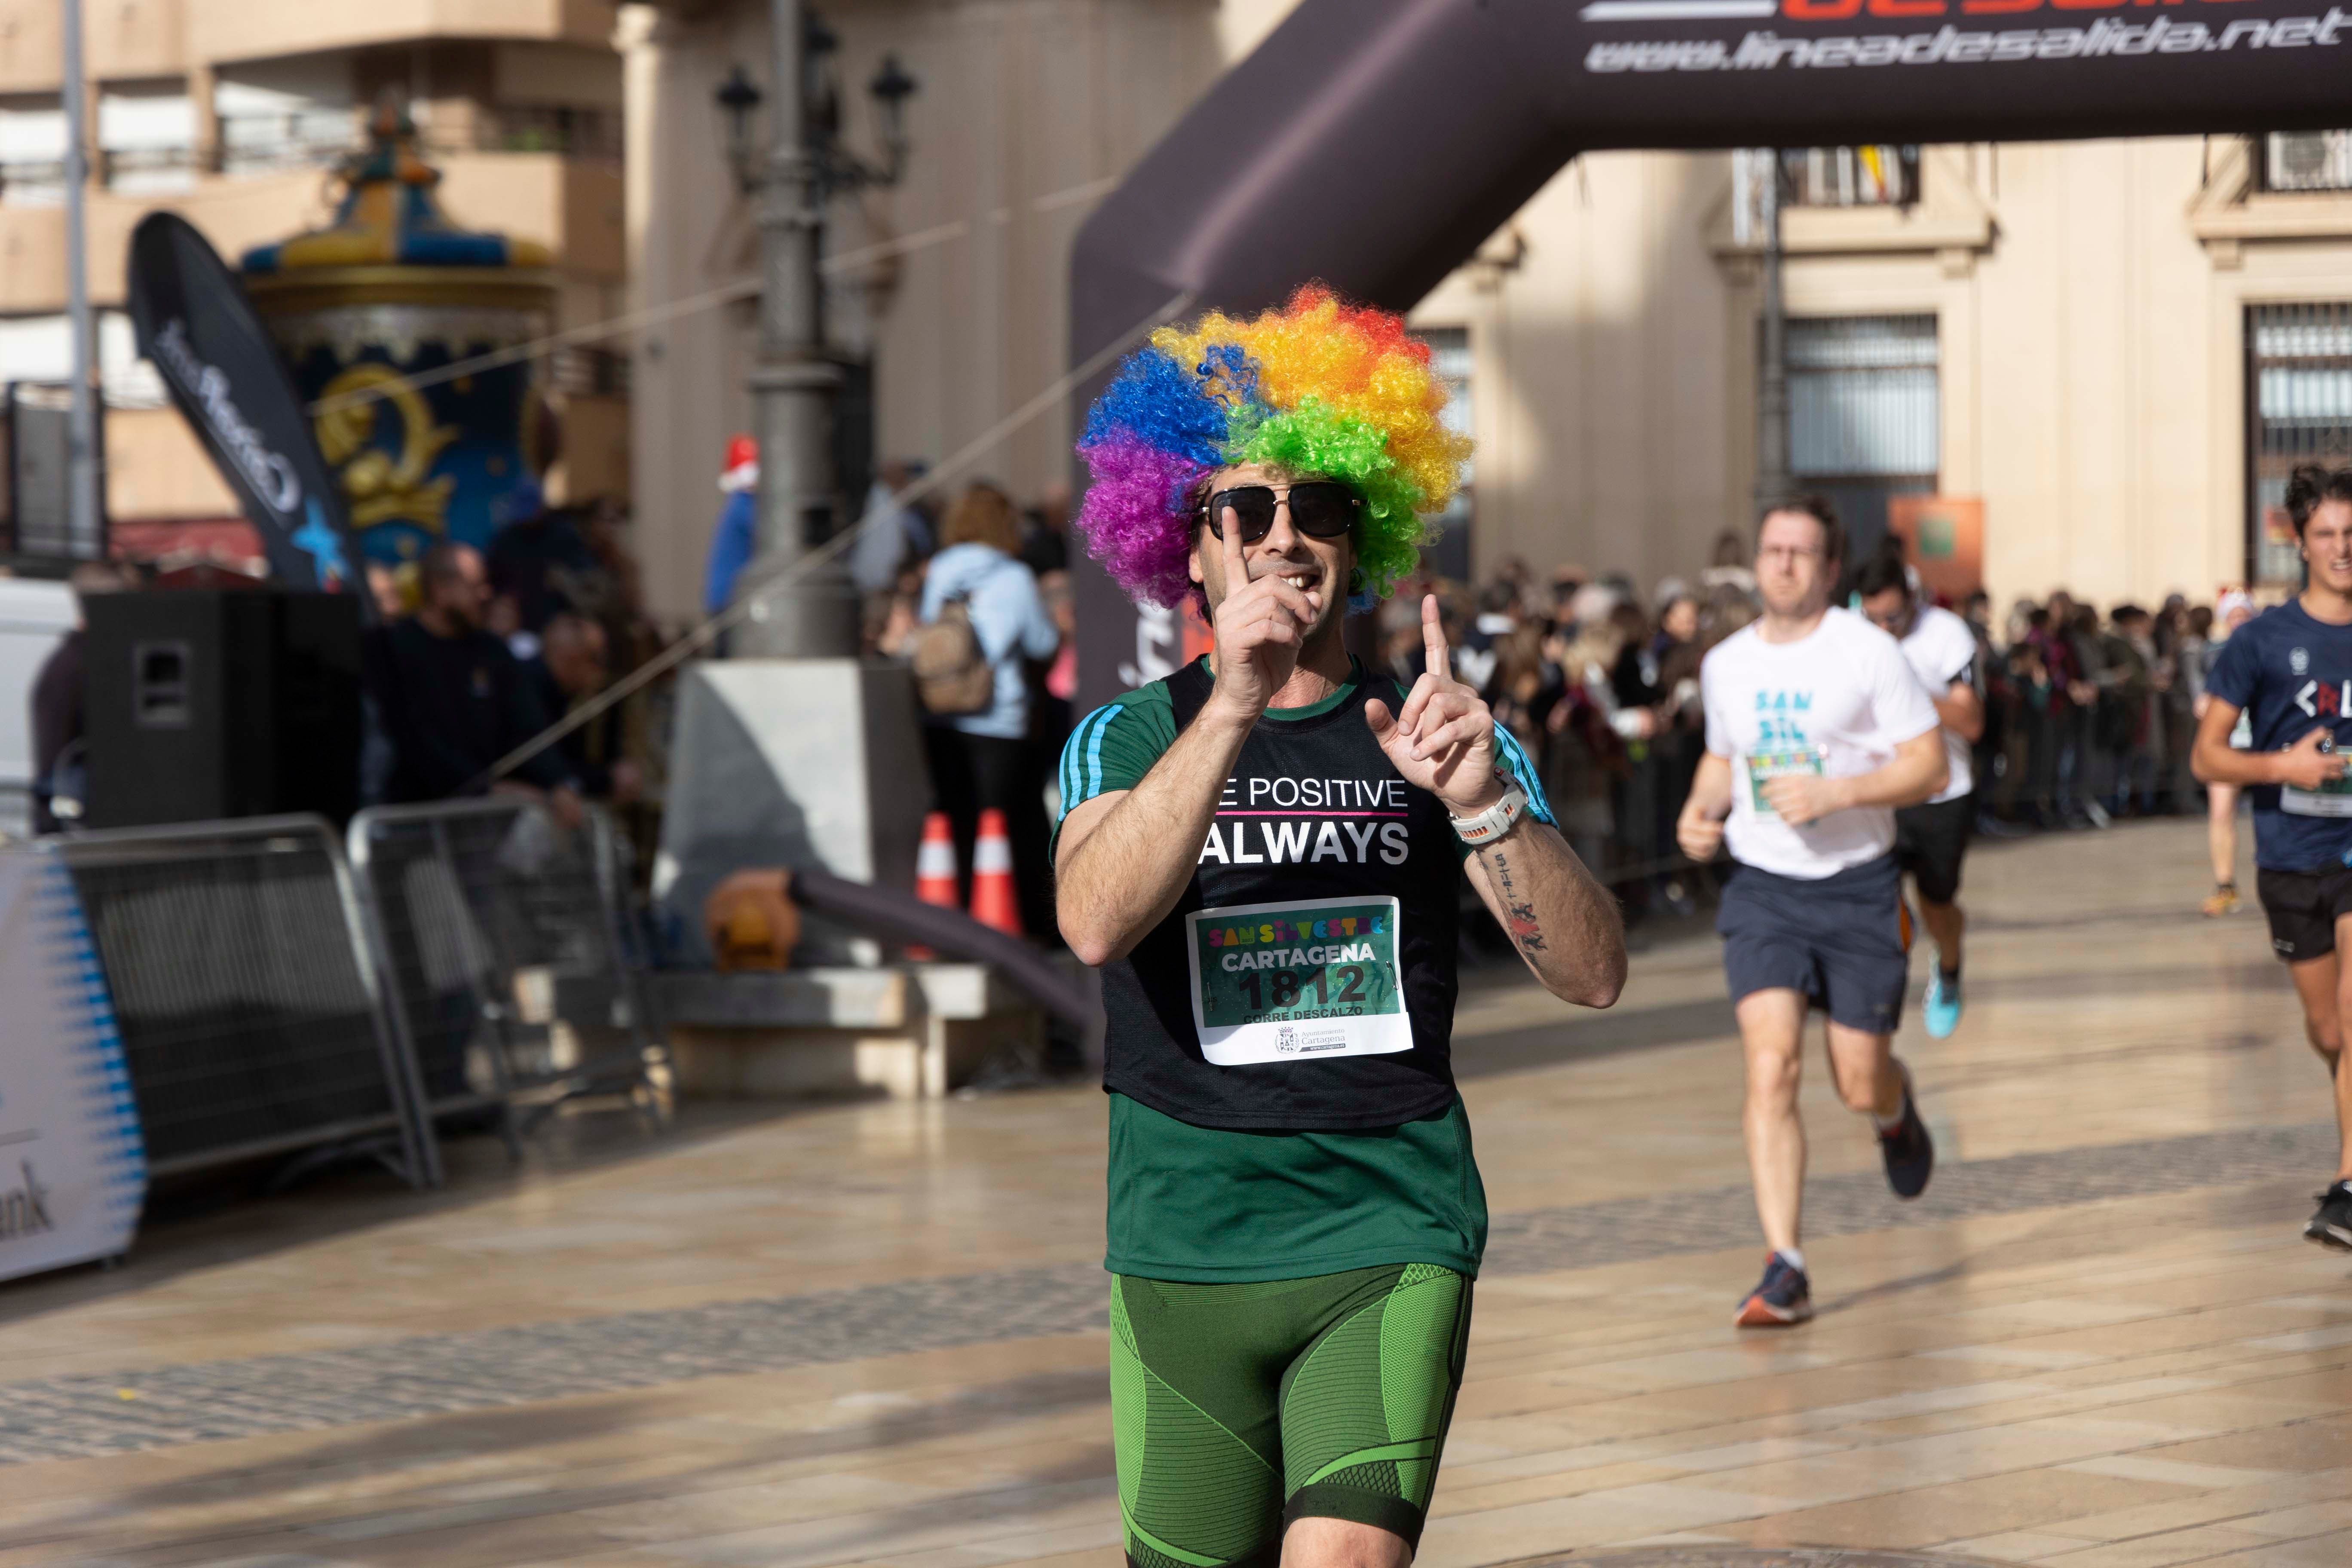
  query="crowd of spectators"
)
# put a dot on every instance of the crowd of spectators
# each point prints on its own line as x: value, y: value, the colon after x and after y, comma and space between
x: 480, y: 650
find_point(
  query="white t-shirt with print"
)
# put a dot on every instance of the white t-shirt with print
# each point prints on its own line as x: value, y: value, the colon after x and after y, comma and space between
x: 1837, y: 702
x: 1942, y: 650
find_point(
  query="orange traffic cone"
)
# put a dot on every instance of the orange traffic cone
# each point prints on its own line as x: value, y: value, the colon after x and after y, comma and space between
x: 993, y: 903
x: 935, y: 870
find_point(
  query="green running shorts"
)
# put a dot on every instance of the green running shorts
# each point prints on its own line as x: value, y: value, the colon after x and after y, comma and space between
x: 1237, y: 1408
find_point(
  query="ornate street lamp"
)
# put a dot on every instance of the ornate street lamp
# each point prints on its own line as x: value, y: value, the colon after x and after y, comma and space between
x: 791, y: 180
x: 738, y: 99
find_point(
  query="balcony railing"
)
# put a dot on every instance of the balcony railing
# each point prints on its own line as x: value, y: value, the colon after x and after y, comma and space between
x: 265, y: 144
x: 35, y: 182
x: 1874, y: 176
x: 2308, y: 161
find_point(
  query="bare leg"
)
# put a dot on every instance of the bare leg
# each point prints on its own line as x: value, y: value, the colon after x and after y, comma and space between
x: 1342, y: 1543
x: 2335, y: 1059
x: 2324, y: 988
x: 1771, y: 1037
x: 2222, y: 831
x: 1945, y: 923
x: 1863, y: 1066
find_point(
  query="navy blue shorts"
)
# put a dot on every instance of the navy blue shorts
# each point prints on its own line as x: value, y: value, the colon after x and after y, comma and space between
x: 1843, y: 942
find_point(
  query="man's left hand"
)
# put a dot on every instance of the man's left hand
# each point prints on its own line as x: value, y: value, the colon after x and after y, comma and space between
x: 1443, y: 740
x: 1800, y: 798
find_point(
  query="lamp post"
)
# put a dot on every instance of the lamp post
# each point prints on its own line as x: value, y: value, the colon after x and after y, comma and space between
x: 82, y: 530
x: 1772, y: 482
x: 795, y: 384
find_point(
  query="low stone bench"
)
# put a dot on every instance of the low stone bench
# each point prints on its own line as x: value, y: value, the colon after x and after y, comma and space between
x: 912, y: 1031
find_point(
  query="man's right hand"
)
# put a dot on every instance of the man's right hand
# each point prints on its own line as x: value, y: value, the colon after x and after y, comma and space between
x: 2306, y: 766
x: 1259, y: 627
x: 1699, y: 834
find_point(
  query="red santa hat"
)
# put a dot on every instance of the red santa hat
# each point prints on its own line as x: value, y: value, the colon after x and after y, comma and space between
x: 742, y: 470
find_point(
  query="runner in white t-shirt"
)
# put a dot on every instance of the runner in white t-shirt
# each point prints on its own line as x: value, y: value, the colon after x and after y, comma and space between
x: 1816, y: 730
x: 1931, y: 838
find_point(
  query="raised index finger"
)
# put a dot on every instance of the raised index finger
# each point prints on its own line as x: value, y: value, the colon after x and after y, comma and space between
x: 1229, y: 539
x: 1433, y: 637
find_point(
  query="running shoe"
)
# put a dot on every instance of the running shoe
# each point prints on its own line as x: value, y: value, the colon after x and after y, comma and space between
x: 1783, y: 1296
x: 2332, y: 1225
x: 1941, y: 1010
x: 2221, y: 900
x: 1909, y: 1153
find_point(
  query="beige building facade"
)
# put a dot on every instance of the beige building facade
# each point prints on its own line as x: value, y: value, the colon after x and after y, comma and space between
x: 235, y: 113
x: 2092, y: 312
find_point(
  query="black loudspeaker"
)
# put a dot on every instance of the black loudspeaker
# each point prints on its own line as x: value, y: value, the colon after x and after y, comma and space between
x: 202, y: 705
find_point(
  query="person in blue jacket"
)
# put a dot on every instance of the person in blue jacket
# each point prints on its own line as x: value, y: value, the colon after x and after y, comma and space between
x: 984, y: 759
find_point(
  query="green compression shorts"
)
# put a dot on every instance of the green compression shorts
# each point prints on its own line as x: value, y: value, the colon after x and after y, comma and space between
x: 1237, y: 1408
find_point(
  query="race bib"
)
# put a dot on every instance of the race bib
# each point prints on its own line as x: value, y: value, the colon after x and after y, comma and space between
x: 1765, y: 766
x: 1297, y: 981
x: 2333, y: 798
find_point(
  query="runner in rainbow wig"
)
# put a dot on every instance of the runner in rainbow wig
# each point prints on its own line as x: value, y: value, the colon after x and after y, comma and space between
x: 1263, y: 853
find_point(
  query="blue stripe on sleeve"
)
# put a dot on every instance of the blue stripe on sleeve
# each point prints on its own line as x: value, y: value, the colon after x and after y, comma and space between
x: 1082, y: 776
x: 1094, y: 750
x: 1515, y: 757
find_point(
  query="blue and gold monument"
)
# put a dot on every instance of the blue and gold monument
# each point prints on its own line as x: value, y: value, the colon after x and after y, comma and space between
x: 368, y: 310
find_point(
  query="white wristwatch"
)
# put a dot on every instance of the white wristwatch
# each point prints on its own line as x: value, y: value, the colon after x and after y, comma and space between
x: 1495, y: 820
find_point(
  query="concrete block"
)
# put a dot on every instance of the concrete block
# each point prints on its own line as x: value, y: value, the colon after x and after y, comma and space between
x: 793, y: 763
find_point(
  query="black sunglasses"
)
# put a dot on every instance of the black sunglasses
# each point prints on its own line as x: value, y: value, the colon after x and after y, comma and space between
x: 1323, y: 509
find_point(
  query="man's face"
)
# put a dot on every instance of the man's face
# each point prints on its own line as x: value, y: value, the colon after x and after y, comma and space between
x: 1312, y: 564
x: 1890, y: 611
x: 2327, y: 546
x: 463, y: 595
x: 577, y: 661
x: 1793, y: 568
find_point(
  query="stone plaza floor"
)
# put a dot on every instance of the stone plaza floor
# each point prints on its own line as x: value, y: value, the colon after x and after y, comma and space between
x: 873, y: 1333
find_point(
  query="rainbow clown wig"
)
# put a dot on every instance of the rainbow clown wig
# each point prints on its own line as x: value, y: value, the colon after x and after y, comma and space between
x: 1316, y: 388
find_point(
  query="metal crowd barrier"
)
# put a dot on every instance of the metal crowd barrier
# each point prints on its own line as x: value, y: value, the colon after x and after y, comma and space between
x: 501, y: 938
x: 251, y: 1018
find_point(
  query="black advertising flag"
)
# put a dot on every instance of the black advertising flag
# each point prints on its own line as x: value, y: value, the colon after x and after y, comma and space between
x: 196, y: 326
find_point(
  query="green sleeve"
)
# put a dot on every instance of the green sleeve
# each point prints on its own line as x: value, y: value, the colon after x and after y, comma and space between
x: 1114, y: 746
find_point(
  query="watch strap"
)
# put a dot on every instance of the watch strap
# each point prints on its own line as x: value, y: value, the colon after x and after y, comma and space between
x: 1494, y: 821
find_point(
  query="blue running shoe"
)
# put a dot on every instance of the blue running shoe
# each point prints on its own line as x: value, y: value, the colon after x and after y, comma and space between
x: 1941, y: 1010
x: 1783, y: 1296
x: 1909, y: 1153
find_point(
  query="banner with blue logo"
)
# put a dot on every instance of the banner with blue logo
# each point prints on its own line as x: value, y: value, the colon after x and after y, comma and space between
x: 73, y: 1169
x: 194, y: 322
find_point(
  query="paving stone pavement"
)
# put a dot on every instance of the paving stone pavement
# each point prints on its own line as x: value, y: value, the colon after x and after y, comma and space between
x: 442, y: 1374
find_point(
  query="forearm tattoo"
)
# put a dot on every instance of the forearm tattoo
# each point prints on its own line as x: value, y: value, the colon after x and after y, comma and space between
x: 1520, y: 916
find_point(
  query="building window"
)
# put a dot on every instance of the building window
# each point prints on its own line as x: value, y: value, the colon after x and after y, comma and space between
x: 147, y: 138
x: 2299, y: 410
x: 39, y: 350
x: 32, y: 151
x: 1873, y: 175
x: 1449, y: 357
x: 1863, y: 415
x: 269, y: 126
x: 2308, y: 161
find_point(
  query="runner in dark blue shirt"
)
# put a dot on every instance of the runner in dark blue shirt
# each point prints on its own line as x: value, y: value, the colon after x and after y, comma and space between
x: 2290, y: 672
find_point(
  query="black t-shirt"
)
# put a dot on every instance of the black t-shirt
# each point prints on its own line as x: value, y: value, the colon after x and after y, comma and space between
x: 1314, y: 815
x: 451, y: 707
